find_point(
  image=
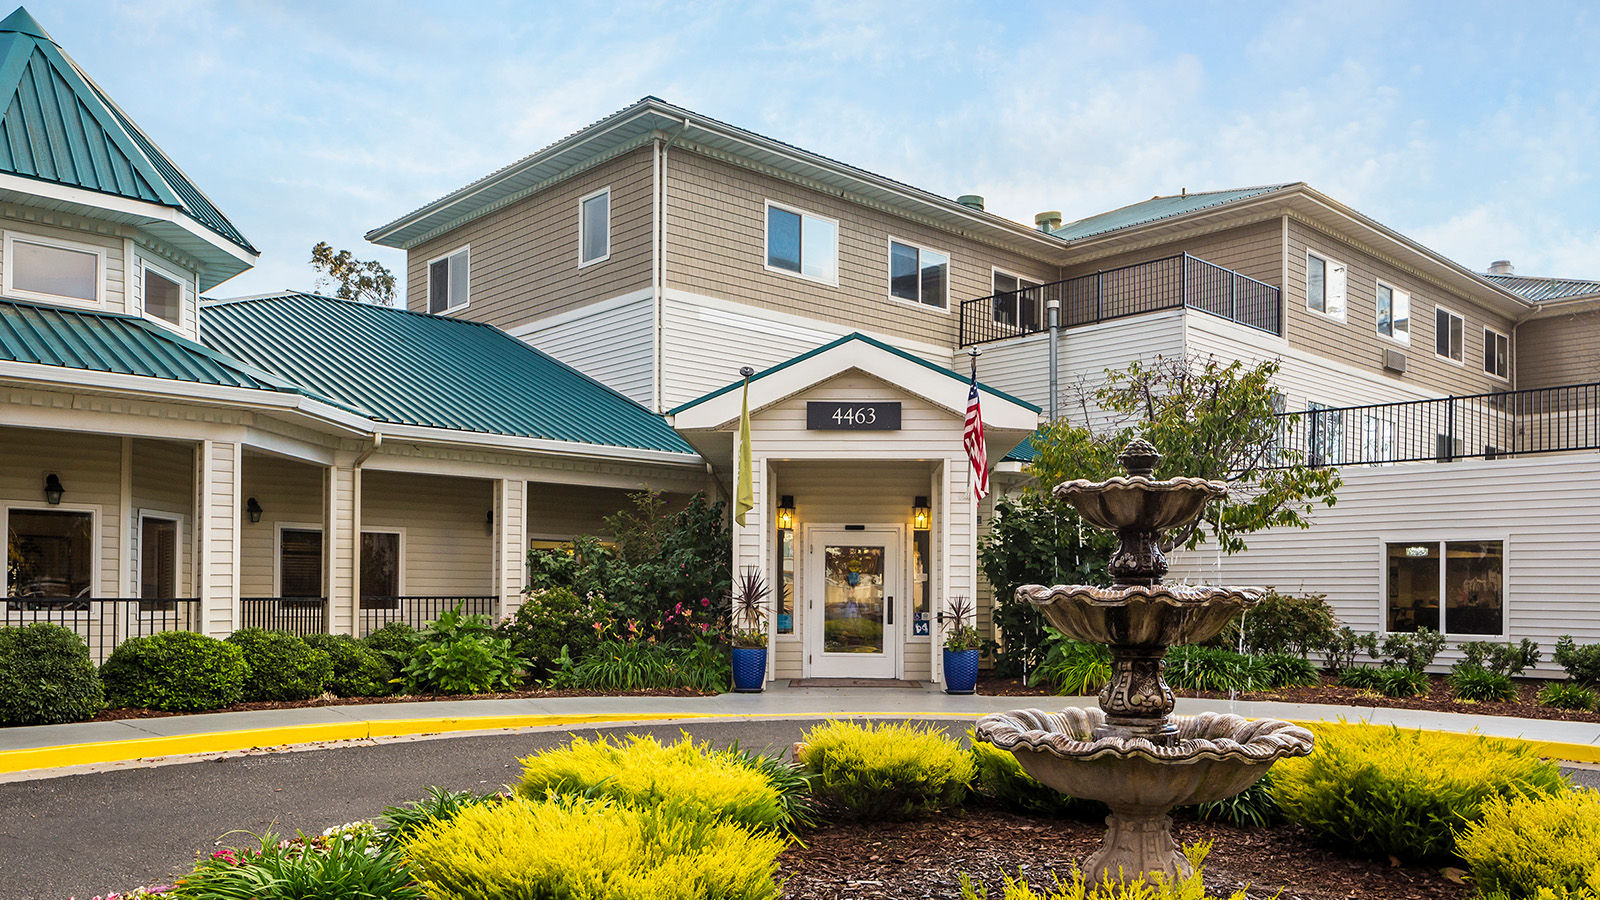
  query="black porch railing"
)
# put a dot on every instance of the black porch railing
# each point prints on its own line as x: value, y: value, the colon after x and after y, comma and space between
x: 1478, y: 426
x: 1173, y: 282
x: 376, y: 612
x: 290, y: 615
x: 103, y: 622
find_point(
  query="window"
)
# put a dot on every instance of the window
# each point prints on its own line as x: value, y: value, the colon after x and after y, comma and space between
x: 1394, y: 313
x: 1466, y: 575
x: 1012, y: 308
x: 1377, y: 439
x: 1325, y: 286
x: 594, y: 227
x: 158, y: 562
x: 1496, y: 353
x: 918, y: 275
x: 380, y: 569
x: 1326, y: 435
x: 802, y: 243
x: 1447, y: 333
x: 52, y: 270
x: 299, y: 562
x: 448, y: 282
x: 785, y: 623
x: 163, y: 297
x: 49, y: 553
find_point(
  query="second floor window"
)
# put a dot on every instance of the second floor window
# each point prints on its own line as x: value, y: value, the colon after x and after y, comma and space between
x: 53, y: 270
x: 163, y: 297
x: 1325, y: 285
x: 919, y: 275
x: 594, y: 227
x: 1496, y: 353
x: 1014, y: 308
x: 1447, y: 334
x: 448, y: 282
x: 802, y: 243
x: 1394, y: 313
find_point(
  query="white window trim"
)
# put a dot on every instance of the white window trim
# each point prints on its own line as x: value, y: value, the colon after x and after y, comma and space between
x: 582, y: 263
x: 93, y: 509
x: 888, y: 284
x: 27, y: 237
x: 277, y: 553
x: 137, y: 588
x: 766, y: 245
x: 182, y: 325
x: 1380, y: 283
x: 1504, y: 540
x: 1328, y: 263
x: 1032, y: 282
x: 400, y: 561
x: 427, y: 282
x: 1486, y: 332
x: 1449, y: 359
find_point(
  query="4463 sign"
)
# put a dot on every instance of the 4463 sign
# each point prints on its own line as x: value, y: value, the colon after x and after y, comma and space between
x: 846, y: 415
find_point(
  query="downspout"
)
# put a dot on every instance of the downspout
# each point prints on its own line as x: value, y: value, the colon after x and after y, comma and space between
x: 1053, y: 315
x: 658, y: 254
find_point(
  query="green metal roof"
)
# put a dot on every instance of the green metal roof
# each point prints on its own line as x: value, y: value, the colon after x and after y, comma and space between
x: 1156, y: 208
x: 408, y: 368
x: 1023, y: 452
x: 59, y: 127
x: 1542, y: 290
x: 853, y: 336
x: 119, y: 344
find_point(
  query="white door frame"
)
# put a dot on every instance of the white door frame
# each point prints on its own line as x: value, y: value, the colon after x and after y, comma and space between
x: 854, y: 665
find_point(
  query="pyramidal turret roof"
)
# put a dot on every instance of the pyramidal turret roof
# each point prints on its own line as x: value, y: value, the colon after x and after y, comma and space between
x: 59, y: 127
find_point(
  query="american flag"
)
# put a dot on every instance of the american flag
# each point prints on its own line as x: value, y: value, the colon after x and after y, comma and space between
x: 972, y: 438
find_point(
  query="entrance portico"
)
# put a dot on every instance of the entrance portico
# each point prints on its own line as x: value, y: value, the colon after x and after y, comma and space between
x: 865, y: 524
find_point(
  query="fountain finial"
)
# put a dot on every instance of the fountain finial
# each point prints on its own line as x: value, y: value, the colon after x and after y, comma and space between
x: 1139, y: 457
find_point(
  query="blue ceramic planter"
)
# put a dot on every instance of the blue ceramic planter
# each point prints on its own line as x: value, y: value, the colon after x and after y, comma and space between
x: 749, y: 669
x: 960, y: 671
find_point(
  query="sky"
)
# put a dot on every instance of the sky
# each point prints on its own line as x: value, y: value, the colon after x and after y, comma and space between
x: 1473, y: 128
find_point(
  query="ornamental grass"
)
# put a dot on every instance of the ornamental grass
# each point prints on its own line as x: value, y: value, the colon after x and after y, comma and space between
x: 1546, y: 841
x: 1075, y: 887
x: 885, y: 770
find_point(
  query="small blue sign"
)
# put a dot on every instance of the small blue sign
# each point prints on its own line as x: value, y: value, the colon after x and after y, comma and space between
x: 785, y: 623
x: 919, y: 623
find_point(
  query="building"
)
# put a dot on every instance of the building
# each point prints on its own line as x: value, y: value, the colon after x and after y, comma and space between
x: 576, y: 325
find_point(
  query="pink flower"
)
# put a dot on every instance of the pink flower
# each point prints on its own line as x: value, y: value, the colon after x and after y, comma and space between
x: 705, y: 601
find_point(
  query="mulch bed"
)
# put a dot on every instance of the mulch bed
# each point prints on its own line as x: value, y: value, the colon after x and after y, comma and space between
x: 1438, y: 699
x: 328, y: 700
x: 925, y: 859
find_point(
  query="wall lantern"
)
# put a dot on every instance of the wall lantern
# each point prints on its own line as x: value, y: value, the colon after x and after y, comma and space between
x: 786, y: 512
x: 921, y: 515
x: 53, y: 489
x: 253, y: 510
x: 488, y: 523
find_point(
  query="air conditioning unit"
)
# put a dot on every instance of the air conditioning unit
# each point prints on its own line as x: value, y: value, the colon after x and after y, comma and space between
x: 1394, y: 360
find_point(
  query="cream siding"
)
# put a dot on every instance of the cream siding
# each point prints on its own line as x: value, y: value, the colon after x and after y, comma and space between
x: 291, y: 494
x: 1255, y: 250
x: 447, y: 544
x: 612, y: 341
x: 221, y: 506
x: 89, y: 466
x: 511, y: 542
x: 163, y: 485
x: 339, y: 541
x: 1559, y: 350
x: 189, y: 323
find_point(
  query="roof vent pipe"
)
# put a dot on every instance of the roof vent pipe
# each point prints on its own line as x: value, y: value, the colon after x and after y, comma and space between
x: 972, y: 200
x: 1048, y: 221
x: 1501, y: 267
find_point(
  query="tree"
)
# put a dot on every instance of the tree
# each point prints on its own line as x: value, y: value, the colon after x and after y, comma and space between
x: 365, y: 281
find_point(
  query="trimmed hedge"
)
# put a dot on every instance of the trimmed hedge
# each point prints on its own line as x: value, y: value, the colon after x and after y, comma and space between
x: 358, y: 670
x: 178, y: 671
x: 46, y: 676
x: 282, y: 666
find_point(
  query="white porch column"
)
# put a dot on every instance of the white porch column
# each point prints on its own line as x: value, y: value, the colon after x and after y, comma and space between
x: 960, y: 530
x: 341, y: 543
x: 217, y: 511
x: 510, y: 542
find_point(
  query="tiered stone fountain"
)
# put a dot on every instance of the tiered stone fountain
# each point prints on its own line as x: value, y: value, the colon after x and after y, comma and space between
x: 1132, y: 754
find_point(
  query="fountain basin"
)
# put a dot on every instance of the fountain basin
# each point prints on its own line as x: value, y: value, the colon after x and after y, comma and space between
x: 1140, y: 615
x: 1125, y: 501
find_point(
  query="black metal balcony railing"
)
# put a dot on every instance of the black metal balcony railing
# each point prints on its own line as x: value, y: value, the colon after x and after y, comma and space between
x: 290, y: 615
x: 376, y: 612
x: 1172, y: 282
x: 103, y: 622
x: 1487, y: 426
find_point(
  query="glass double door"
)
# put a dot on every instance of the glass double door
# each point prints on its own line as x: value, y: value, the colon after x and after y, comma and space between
x: 852, y: 581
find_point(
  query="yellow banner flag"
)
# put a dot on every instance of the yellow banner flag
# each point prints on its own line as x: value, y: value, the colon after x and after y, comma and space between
x: 744, y: 494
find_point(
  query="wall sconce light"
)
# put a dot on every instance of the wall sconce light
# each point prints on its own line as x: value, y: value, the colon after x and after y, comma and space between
x: 53, y: 489
x: 921, y: 514
x: 253, y: 510
x: 786, y: 512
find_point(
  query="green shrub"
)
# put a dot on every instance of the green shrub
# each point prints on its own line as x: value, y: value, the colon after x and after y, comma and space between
x: 358, y: 670
x: 1074, y: 887
x: 549, y: 619
x: 1400, y: 682
x: 1567, y: 695
x: 588, y: 849
x: 179, y: 671
x: 1072, y: 667
x: 640, y: 665
x: 1414, y: 651
x: 1362, y: 678
x: 1522, y: 844
x: 1295, y: 624
x: 1281, y: 670
x: 1582, y: 662
x: 1481, y: 685
x: 998, y: 776
x: 46, y: 676
x: 400, y: 822
x: 1342, y: 646
x: 1383, y: 791
x: 353, y: 862
x: 885, y: 770
x: 282, y: 666
x: 460, y: 654
x: 1504, y: 659
x: 393, y: 643
x: 1193, y: 667
x: 1254, y: 807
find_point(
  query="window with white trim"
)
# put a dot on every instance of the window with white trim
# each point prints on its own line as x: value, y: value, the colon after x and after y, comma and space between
x: 1496, y: 353
x: 163, y: 297
x: 1394, y: 313
x: 300, y: 563
x: 1326, y: 435
x: 53, y: 269
x: 49, y: 553
x: 448, y: 281
x: 1014, y: 302
x: 1453, y: 587
x: 1325, y: 285
x: 594, y: 227
x: 1448, y: 335
x: 919, y: 275
x: 158, y: 562
x: 802, y: 243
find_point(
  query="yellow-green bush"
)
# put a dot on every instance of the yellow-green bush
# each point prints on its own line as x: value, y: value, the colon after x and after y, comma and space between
x: 1075, y: 888
x: 885, y: 770
x: 639, y: 770
x: 522, y: 850
x: 1382, y: 791
x: 998, y: 776
x: 1523, y: 844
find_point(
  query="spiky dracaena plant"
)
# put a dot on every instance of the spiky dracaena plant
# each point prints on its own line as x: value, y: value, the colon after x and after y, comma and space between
x: 750, y: 594
x: 961, y: 618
